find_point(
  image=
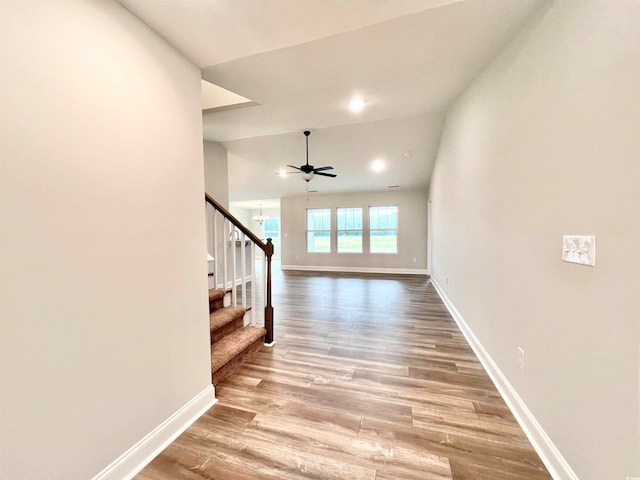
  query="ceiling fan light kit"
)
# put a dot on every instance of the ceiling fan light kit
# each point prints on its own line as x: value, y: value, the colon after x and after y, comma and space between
x: 308, y: 171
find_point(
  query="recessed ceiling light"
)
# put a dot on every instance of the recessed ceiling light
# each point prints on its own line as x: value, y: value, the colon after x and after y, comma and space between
x: 356, y: 104
x: 377, y: 165
x: 282, y: 173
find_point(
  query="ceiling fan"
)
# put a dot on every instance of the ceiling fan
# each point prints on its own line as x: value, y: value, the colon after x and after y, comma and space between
x: 308, y: 171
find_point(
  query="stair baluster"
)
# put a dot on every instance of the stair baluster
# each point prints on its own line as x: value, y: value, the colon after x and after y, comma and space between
x: 253, y: 284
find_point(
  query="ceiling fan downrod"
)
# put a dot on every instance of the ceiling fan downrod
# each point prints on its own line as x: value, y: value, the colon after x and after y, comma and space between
x: 307, y: 170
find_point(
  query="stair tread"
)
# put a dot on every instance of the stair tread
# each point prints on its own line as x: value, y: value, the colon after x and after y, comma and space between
x: 223, y: 316
x: 233, y: 344
x: 216, y: 294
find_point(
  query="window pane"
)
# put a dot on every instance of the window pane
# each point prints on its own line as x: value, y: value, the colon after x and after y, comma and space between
x: 392, y: 213
x: 326, y: 219
x: 318, y: 219
x: 271, y: 224
x: 373, y: 218
x: 318, y: 241
x: 384, y: 241
x: 382, y: 219
x: 349, y: 218
x: 350, y: 241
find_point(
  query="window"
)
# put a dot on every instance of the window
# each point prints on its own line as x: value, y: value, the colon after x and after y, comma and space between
x: 318, y: 230
x: 349, y: 228
x: 383, y: 225
x: 271, y: 229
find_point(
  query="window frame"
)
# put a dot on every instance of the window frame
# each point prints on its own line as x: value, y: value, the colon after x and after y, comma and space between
x: 350, y: 230
x: 372, y: 230
x: 316, y: 230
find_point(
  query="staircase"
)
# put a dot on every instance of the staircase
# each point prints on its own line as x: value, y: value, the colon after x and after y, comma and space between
x: 240, y: 287
x: 232, y: 343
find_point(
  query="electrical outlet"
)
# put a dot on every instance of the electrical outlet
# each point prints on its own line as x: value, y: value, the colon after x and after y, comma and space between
x: 414, y: 259
x: 579, y: 249
x: 447, y: 281
x: 521, y: 358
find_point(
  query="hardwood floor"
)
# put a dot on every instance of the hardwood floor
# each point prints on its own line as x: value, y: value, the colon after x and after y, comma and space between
x: 369, y: 379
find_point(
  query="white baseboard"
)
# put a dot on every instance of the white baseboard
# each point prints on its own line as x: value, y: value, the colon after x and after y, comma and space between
x: 137, y: 457
x: 391, y: 271
x: 549, y: 454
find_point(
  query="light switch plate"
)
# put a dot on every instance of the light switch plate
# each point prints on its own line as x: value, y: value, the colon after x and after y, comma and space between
x: 579, y: 249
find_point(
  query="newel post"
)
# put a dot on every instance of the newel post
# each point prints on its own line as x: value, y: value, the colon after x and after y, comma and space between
x: 268, y: 309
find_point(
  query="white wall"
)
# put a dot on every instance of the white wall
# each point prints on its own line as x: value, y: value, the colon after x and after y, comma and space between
x: 412, y: 232
x: 545, y: 143
x: 216, y: 177
x: 102, y: 257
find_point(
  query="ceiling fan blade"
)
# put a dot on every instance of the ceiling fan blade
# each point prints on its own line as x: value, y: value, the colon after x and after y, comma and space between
x: 326, y: 174
x: 319, y: 169
x: 284, y: 173
x: 293, y: 166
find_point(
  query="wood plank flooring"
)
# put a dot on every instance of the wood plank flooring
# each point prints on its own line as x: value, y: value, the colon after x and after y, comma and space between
x: 370, y: 379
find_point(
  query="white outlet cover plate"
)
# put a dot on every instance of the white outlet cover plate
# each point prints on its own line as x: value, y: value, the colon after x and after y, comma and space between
x: 579, y: 249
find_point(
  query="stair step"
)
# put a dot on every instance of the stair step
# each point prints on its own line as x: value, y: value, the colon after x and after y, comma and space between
x: 224, y: 321
x: 216, y: 299
x: 229, y: 352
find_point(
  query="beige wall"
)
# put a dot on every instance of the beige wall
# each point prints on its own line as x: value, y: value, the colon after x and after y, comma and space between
x: 545, y: 143
x: 412, y: 232
x: 102, y: 260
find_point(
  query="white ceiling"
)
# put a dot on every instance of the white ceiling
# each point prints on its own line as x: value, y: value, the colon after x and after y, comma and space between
x: 301, y: 61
